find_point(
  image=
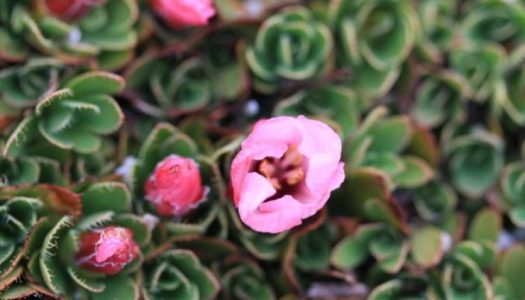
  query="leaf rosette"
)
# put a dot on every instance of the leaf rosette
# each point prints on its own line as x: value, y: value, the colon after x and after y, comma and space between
x: 512, y: 185
x: 24, y: 85
x: 53, y: 249
x: 440, y: 98
x: 437, y: 28
x: 73, y: 117
x: 241, y: 278
x: 374, y: 37
x: 385, y: 244
x: 18, y: 216
x: 167, y: 91
x: 290, y: 46
x: 105, y: 33
x: 475, y: 159
x: 178, y: 274
x: 496, y: 21
x: 382, y: 143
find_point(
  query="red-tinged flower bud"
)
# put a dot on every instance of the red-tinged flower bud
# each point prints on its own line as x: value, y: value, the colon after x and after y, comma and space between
x: 107, y: 250
x: 184, y: 13
x: 70, y: 9
x: 175, y: 186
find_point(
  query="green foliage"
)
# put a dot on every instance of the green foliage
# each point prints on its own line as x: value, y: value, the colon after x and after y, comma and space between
x: 290, y: 46
x: 178, y: 274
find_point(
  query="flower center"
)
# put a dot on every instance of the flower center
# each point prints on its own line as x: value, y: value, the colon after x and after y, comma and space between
x: 285, y: 172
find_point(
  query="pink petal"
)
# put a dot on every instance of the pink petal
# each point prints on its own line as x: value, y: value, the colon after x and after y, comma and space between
x: 321, y: 145
x: 275, y: 216
x: 272, y: 137
x: 108, y: 247
x: 255, y: 190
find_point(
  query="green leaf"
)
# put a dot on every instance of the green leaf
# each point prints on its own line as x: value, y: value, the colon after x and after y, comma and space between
x: 390, y: 135
x: 511, y: 268
x: 426, y: 246
x: 21, y: 136
x: 52, y: 272
x: 485, y: 226
x: 106, y: 196
x: 91, y: 284
x: 416, y: 172
x: 95, y: 83
x: 118, y: 287
x: 350, y: 252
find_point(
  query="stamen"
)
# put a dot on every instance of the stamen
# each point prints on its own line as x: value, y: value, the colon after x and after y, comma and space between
x: 267, y: 168
x: 283, y: 173
x: 294, y: 176
x: 292, y: 158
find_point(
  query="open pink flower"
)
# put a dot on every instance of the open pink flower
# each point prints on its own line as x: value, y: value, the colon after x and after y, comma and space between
x: 175, y: 186
x: 183, y: 13
x: 107, y: 250
x: 285, y: 172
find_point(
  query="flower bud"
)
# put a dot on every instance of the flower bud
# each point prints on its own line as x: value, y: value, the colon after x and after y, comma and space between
x: 70, y: 9
x: 175, y: 186
x: 184, y: 13
x: 107, y: 250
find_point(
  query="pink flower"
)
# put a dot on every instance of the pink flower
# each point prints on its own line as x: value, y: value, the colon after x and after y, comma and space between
x: 70, y: 9
x: 175, y: 186
x: 285, y: 172
x: 183, y: 13
x: 107, y: 250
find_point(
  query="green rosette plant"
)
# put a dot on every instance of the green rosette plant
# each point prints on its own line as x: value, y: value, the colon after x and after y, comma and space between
x: 462, y: 275
x: 178, y: 274
x: 435, y: 202
x: 436, y: 19
x: 385, y: 244
x: 19, y: 171
x: 29, y: 170
x: 384, y: 143
x: 23, y: 85
x: 241, y: 278
x: 440, y: 98
x: 512, y: 186
x: 159, y: 89
x: 496, y: 21
x: 335, y: 105
x: 481, y: 65
x: 73, y: 117
x: 57, y: 250
x: 386, y: 31
x: 508, y: 281
x: 374, y: 37
x: 407, y: 286
x: 18, y: 216
x: 507, y: 102
x: 290, y: 46
x: 12, y: 48
x: 475, y: 159
x: 105, y: 33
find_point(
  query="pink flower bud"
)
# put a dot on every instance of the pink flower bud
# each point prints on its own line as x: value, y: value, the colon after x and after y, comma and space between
x: 184, y: 13
x: 175, y: 187
x: 70, y: 9
x: 285, y: 171
x: 107, y: 250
